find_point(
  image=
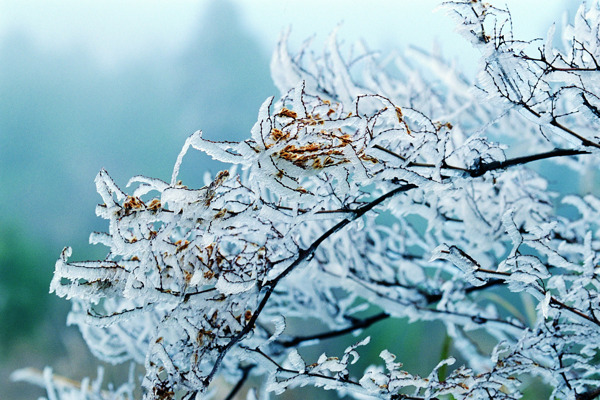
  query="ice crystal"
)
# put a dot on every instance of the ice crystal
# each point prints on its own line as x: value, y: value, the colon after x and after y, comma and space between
x: 371, y: 184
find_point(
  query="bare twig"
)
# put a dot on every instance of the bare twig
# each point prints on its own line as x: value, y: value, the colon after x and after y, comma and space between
x: 245, y: 374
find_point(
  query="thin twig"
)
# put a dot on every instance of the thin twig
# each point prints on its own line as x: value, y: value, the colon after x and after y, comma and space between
x: 303, y: 255
x: 416, y: 164
x: 358, y: 324
x: 495, y: 165
x: 245, y: 374
x: 573, y: 310
x: 367, y: 322
x: 555, y: 123
x: 589, y: 395
x: 306, y: 254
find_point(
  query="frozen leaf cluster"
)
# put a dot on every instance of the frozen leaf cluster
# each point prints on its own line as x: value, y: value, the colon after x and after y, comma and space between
x: 376, y: 187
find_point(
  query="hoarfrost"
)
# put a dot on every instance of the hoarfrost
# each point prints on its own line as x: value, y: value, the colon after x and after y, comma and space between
x: 370, y: 190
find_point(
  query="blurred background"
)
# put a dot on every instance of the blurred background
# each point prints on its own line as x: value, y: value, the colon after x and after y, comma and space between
x: 119, y: 85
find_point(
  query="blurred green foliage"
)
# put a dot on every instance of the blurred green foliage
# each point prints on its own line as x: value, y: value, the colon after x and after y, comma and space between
x: 24, y: 293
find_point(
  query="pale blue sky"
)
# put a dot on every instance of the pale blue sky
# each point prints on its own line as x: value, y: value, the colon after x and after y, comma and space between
x: 115, y: 31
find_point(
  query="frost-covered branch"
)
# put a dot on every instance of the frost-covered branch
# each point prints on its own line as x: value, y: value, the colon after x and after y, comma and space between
x: 391, y: 187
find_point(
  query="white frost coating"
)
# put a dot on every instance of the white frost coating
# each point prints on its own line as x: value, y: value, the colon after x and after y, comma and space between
x: 217, y: 150
x: 180, y: 156
x: 388, y: 358
x: 106, y: 187
x: 263, y: 116
x: 284, y: 72
x: 146, y: 185
x: 298, y: 102
x: 279, y: 323
x: 251, y: 395
x: 342, y: 81
x: 544, y: 306
x: 549, y: 45
x: 229, y: 287
x: 296, y: 361
x: 511, y: 230
x: 459, y: 259
x: 194, y: 278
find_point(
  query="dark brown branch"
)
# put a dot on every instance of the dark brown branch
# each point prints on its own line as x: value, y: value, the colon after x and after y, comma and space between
x: 590, y: 106
x: 416, y: 164
x: 245, y: 374
x: 553, y: 300
x: 555, y: 123
x: 304, y: 211
x: 494, y: 165
x: 367, y: 322
x: 551, y: 67
x: 280, y: 368
x: 306, y: 254
x: 573, y: 310
x: 303, y: 255
x: 589, y: 395
x: 234, y: 340
x: 358, y: 324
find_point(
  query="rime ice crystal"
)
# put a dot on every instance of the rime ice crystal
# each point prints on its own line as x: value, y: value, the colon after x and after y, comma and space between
x: 196, y: 279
